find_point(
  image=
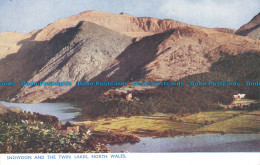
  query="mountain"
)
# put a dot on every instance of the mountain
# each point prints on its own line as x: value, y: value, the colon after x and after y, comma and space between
x: 11, y: 42
x: 98, y: 46
x: 122, y: 23
x: 71, y: 55
x: 251, y: 29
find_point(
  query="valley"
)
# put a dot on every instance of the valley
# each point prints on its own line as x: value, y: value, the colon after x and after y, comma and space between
x: 123, y: 78
x: 169, y: 125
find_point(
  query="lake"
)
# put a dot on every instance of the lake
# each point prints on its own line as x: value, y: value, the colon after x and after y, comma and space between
x: 64, y: 111
x: 193, y: 143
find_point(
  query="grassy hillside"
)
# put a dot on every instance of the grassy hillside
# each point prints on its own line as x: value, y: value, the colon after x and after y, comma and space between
x: 171, y: 124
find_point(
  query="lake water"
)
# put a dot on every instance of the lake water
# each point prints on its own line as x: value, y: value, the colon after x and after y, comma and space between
x: 64, y: 111
x: 197, y: 143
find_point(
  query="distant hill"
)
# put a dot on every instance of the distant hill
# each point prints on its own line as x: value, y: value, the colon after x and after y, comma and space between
x: 251, y: 29
x: 4, y: 109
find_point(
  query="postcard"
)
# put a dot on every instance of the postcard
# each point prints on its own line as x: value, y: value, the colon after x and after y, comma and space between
x: 129, y: 81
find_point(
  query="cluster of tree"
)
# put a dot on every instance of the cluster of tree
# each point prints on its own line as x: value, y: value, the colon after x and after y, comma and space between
x: 13, y: 117
x: 164, y: 100
x: 30, y: 138
x: 250, y: 108
x: 243, y: 67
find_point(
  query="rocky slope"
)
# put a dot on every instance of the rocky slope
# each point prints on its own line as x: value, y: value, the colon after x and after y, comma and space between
x: 111, y: 47
x: 73, y: 54
x: 251, y: 29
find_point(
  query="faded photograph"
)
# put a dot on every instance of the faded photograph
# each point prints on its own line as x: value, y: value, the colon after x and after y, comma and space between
x: 84, y: 76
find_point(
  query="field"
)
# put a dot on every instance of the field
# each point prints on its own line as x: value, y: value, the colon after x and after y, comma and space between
x: 243, y: 123
x: 171, y: 124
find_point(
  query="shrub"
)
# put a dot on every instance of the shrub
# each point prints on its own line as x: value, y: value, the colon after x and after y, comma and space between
x: 28, y: 138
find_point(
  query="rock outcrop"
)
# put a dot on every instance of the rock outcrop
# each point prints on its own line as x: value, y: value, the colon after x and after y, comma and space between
x: 251, y: 29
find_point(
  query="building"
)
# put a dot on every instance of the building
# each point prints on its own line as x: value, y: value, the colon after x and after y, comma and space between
x: 129, y: 96
x: 67, y: 128
x: 239, y: 96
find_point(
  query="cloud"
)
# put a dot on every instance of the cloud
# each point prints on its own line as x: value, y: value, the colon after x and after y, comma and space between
x: 211, y: 13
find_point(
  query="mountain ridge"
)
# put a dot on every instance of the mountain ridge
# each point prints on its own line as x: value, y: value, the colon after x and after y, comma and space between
x: 83, y: 48
x: 251, y: 29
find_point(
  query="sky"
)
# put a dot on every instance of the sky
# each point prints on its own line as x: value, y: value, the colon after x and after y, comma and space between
x: 27, y: 15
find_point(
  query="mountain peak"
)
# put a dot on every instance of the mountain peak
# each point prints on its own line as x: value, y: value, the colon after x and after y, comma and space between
x: 251, y: 29
x: 88, y: 28
x: 122, y: 23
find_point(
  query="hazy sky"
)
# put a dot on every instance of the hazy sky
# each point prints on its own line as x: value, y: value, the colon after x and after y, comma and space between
x: 27, y: 15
